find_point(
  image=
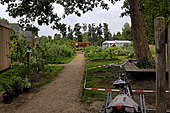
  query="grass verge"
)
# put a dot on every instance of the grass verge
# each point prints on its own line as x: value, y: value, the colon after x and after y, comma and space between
x: 37, y: 80
x: 48, y: 76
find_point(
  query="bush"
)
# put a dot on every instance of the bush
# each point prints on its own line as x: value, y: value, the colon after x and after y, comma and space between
x: 7, y: 87
x: 53, y: 51
x: 93, y: 53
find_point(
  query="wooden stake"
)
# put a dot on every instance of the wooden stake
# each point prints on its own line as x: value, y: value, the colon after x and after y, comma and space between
x: 168, y: 43
x: 160, y: 65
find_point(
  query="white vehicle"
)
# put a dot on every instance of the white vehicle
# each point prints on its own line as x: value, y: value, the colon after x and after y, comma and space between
x: 117, y: 43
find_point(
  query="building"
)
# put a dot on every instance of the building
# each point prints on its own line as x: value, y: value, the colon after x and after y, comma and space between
x: 27, y: 34
x: 5, y: 61
x: 117, y: 43
x: 30, y: 37
x: 17, y: 28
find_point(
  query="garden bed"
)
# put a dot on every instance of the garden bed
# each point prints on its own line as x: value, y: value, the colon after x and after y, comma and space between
x: 37, y: 80
x: 103, y: 77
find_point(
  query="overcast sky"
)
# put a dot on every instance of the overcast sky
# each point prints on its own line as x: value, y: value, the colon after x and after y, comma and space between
x: 98, y: 15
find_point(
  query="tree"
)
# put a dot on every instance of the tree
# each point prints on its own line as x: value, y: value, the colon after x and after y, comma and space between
x: 99, y: 33
x: 90, y: 33
x: 126, y: 32
x: 4, y: 21
x: 119, y: 36
x: 63, y: 30
x: 107, y: 34
x: 84, y: 27
x: 42, y: 11
x: 70, y: 33
x: 78, y: 33
x: 152, y: 10
x: 18, y: 47
x: 139, y: 35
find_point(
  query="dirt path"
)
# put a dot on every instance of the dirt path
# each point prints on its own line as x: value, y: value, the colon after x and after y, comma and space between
x: 60, y: 96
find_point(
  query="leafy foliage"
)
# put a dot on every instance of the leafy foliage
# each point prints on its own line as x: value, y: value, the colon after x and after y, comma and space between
x: 4, y: 21
x: 42, y: 10
x: 94, y: 53
x: 18, y: 48
x: 153, y: 9
x: 126, y: 32
x: 52, y: 51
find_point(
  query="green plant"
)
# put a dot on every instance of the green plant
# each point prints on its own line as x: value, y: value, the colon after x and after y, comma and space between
x: 17, y: 83
x: 7, y: 87
x: 26, y: 82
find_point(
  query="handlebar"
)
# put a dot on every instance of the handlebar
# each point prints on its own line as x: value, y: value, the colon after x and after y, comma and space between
x: 120, y: 65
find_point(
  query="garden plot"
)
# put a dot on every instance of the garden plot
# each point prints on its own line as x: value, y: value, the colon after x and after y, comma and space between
x: 103, y: 77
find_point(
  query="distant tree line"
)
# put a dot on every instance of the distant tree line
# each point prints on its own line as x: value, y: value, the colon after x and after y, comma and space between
x: 93, y: 33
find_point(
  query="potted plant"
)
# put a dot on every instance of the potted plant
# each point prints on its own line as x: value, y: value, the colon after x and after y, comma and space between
x: 27, y: 85
x: 17, y: 85
x: 8, y: 96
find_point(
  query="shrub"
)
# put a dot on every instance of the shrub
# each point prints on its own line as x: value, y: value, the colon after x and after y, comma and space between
x: 93, y: 53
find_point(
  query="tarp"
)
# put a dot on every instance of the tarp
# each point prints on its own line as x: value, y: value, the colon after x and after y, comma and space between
x: 123, y: 100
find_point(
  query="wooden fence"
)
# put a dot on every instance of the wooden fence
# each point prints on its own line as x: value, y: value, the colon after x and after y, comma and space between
x: 5, y: 60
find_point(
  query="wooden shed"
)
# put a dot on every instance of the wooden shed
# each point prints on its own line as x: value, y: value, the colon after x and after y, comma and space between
x: 5, y: 60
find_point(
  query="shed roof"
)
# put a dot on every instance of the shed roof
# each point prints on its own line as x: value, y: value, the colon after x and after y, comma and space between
x: 117, y: 41
x: 4, y: 25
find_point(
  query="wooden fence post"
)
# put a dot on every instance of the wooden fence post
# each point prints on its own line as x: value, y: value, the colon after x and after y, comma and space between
x: 160, y: 65
x: 168, y: 49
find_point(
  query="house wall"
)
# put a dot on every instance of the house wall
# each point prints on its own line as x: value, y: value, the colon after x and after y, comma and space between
x: 5, y: 60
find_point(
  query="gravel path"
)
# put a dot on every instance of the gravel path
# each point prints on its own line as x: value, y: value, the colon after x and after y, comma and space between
x: 60, y: 96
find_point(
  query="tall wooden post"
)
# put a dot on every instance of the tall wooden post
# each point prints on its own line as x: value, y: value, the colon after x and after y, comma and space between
x: 168, y: 41
x: 160, y: 65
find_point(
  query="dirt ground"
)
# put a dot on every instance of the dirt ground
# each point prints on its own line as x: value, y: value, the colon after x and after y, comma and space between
x: 62, y: 95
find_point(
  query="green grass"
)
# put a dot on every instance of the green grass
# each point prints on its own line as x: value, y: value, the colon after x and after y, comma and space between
x: 99, y: 78
x: 66, y: 60
x: 91, y: 96
x: 52, y: 72
x: 42, y: 78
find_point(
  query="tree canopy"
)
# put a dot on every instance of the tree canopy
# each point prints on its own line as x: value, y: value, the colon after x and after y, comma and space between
x: 42, y: 11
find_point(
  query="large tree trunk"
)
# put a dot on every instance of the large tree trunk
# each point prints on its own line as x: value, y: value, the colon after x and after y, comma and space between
x: 141, y: 46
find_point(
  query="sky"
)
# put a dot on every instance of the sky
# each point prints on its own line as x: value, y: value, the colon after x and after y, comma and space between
x: 98, y: 15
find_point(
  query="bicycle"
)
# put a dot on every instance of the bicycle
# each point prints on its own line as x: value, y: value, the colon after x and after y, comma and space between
x: 123, y: 102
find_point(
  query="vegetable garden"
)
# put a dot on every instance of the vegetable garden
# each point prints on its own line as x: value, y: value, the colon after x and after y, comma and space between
x: 99, y: 76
